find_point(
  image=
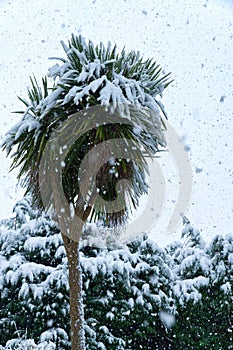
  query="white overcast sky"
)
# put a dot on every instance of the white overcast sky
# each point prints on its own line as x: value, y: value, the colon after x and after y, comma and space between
x: 191, y: 38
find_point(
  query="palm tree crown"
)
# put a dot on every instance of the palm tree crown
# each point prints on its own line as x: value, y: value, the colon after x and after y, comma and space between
x: 91, y: 75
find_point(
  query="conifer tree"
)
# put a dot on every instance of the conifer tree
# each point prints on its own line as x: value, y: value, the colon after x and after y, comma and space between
x: 135, y: 296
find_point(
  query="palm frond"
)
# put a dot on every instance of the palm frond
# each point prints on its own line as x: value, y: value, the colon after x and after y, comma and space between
x: 92, y: 75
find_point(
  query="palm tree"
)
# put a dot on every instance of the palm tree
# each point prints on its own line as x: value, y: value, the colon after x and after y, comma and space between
x: 125, y: 84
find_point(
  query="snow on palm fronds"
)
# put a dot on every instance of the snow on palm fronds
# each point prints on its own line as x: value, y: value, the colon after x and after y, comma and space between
x: 121, y: 82
x: 99, y: 75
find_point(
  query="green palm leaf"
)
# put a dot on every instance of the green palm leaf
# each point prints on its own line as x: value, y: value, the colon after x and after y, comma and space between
x: 79, y: 83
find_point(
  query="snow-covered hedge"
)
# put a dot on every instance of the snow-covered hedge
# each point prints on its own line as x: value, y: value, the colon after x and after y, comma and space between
x: 132, y: 294
x: 28, y: 344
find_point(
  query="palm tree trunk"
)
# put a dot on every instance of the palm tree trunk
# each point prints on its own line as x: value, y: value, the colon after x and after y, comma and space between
x: 76, y: 303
